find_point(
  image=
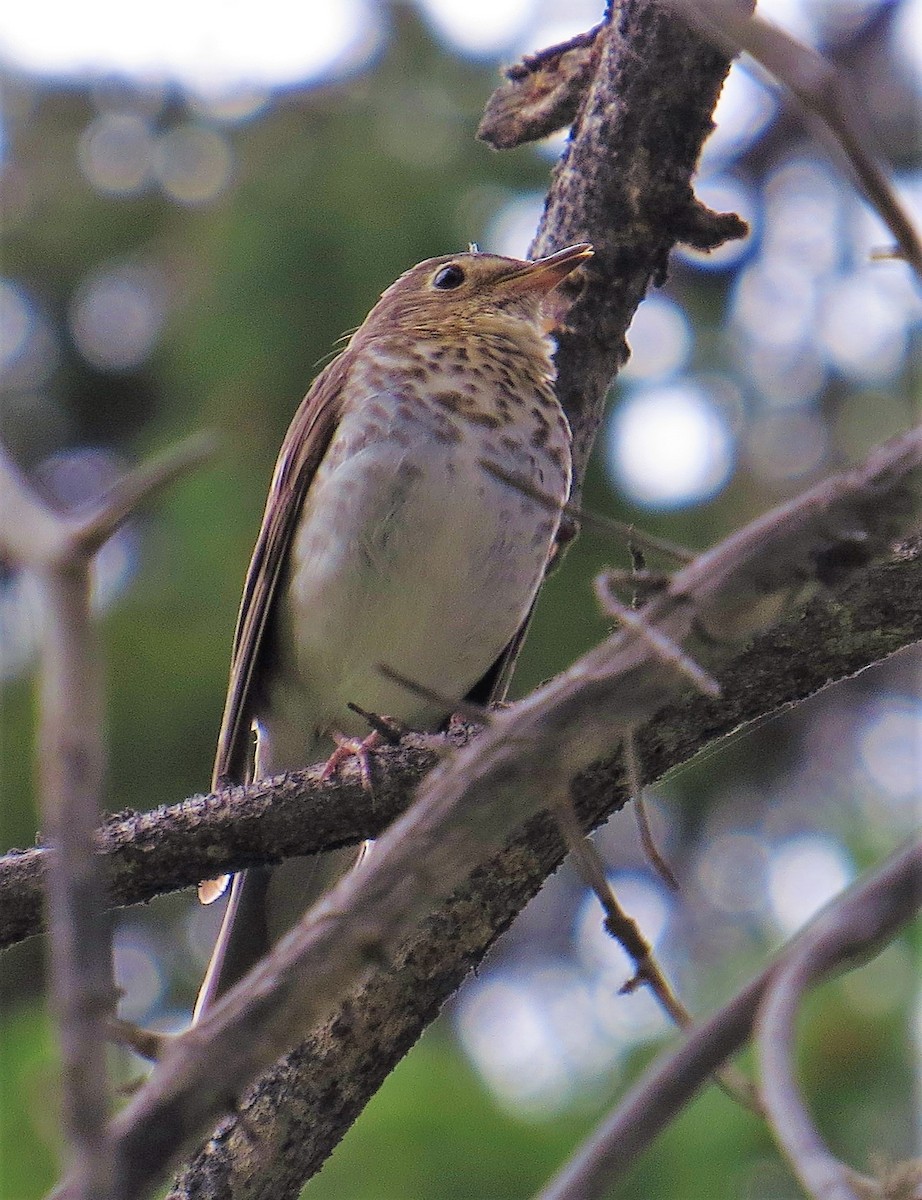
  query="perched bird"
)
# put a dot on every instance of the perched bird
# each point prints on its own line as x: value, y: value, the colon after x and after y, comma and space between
x: 385, y: 540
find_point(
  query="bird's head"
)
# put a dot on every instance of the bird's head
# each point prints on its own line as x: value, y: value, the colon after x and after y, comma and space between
x: 474, y: 293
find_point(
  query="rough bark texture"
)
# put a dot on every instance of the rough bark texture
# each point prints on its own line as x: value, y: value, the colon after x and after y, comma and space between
x: 147, y: 854
x: 307, y: 1102
x: 313, y: 1096
x: 624, y: 184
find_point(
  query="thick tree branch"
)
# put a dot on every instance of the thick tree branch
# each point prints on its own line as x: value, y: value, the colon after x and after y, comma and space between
x: 830, y: 637
x: 624, y: 183
x: 471, y: 804
x: 841, y: 937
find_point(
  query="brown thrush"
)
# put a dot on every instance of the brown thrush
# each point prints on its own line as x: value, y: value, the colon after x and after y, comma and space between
x: 384, y: 540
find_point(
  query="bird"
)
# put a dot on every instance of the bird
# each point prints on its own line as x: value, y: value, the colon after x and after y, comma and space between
x: 386, y: 539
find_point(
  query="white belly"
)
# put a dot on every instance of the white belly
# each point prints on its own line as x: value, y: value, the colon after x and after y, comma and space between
x: 412, y: 557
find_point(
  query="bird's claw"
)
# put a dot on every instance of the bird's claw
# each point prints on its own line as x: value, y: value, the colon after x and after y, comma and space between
x: 358, y: 748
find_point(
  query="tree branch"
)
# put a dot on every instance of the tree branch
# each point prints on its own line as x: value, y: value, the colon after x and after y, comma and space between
x: 830, y: 637
x: 473, y: 802
x: 58, y: 548
x: 821, y: 90
x: 874, y: 908
x: 842, y: 936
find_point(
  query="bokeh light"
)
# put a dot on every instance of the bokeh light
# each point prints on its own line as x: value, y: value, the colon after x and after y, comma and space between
x: 193, y: 164
x: 863, y: 330
x: 479, y: 29
x: 138, y: 974
x: 28, y: 350
x: 890, y: 747
x: 732, y: 872
x: 531, y: 1034
x: 512, y: 228
x: 209, y: 47
x: 804, y: 874
x: 669, y: 446
x: 660, y: 339
x: 803, y: 216
x: 787, y: 445
x: 774, y: 303
x: 117, y: 315
x: 116, y: 153
x: 68, y: 480
x: 744, y: 111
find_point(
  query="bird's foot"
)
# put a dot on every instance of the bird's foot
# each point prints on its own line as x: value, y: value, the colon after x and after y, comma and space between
x: 358, y: 748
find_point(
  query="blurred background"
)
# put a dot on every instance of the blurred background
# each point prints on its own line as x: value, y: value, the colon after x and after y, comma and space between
x: 198, y: 199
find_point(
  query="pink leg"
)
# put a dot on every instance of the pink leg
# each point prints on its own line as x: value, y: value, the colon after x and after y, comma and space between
x: 359, y: 748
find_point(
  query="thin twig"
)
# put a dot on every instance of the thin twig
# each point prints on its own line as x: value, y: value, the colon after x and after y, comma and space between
x: 670, y: 653
x: 586, y: 518
x: 820, y: 88
x: 93, y: 528
x: 635, y: 787
x: 59, y: 548
x: 841, y: 936
x: 465, y: 708
x: 886, y: 899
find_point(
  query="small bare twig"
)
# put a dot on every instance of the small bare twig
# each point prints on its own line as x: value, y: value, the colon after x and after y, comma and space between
x: 618, y: 923
x: 841, y: 937
x: 96, y: 526
x: 465, y: 708
x: 635, y: 787
x: 821, y: 90
x: 872, y: 911
x: 609, y: 526
x: 669, y: 653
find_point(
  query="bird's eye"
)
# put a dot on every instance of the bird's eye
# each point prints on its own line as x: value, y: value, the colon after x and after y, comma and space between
x: 449, y: 277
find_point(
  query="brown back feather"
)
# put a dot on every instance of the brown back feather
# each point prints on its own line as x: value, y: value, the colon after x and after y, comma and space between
x: 305, y: 444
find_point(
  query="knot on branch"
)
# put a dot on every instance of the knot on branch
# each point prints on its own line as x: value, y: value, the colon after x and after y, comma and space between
x: 542, y: 93
x: 703, y: 229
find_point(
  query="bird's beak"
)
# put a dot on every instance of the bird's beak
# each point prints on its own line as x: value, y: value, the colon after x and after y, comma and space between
x: 544, y: 274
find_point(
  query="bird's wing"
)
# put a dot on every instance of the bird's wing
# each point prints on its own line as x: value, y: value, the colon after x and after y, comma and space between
x: 305, y: 444
x: 492, y: 687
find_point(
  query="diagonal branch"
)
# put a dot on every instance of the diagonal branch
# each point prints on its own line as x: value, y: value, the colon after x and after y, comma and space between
x: 872, y: 910
x: 842, y: 936
x: 471, y: 804
x: 821, y: 89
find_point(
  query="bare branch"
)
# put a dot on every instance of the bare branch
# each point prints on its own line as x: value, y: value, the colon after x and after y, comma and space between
x: 625, y: 183
x: 873, y: 910
x: 635, y: 787
x: 598, y: 522
x: 841, y: 937
x: 91, y: 529
x: 470, y: 805
x: 145, y: 854
x: 59, y: 548
x: 71, y: 765
x: 821, y: 89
